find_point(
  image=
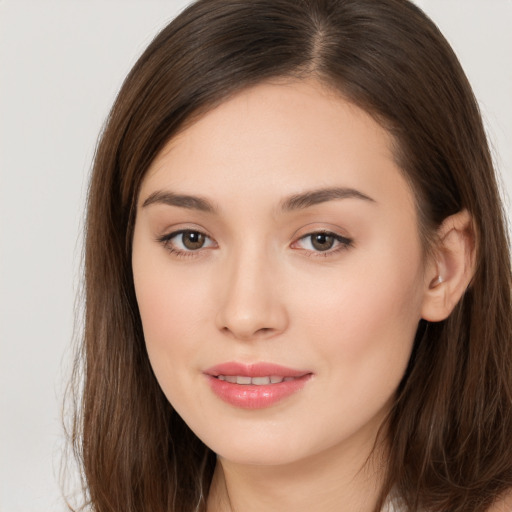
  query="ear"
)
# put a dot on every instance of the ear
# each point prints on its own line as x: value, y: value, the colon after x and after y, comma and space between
x: 450, y: 267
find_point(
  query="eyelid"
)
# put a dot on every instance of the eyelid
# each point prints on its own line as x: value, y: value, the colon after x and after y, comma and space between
x: 342, y: 242
x: 166, y: 239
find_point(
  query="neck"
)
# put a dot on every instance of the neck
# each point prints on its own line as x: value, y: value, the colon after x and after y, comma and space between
x: 340, y: 479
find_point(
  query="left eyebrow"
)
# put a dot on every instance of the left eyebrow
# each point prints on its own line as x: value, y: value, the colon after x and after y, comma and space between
x: 179, y: 200
x: 323, y: 195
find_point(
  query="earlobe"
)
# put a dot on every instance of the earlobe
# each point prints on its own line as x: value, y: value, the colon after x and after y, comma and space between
x: 451, y: 266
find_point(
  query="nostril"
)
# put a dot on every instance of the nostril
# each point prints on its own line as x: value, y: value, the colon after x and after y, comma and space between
x: 245, y: 334
x: 251, y: 316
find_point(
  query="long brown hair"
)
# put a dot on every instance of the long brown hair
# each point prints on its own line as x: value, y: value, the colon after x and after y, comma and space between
x: 450, y: 429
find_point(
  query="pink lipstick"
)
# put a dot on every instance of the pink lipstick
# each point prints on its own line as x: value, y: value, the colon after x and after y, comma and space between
x: 255, y: 386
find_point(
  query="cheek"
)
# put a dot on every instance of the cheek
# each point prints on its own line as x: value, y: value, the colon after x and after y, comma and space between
x: 169, y: 304
x: 365, y: 321
x: 167, y: 296
x: 172, y: 315
x: 171, y: 329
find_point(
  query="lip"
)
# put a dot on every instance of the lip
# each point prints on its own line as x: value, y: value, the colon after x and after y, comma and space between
x: 250, y: 396
x: 254, y: 370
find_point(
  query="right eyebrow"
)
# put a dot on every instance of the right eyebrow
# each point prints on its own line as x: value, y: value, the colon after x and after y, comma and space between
x: 180, y: 200
x: 322, y: 195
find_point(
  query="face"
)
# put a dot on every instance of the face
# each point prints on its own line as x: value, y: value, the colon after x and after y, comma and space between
x: 279, y: 274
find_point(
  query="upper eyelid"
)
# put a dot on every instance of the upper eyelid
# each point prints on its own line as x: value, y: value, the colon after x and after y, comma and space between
x: 166, y: 237
x: 165, y: 241
x: 342, y: 242
x: 174, y: 233
x: 312, y: 229
x: 171, y: 231
x: 340, y: 238
x: 323, y: 232
x: 337, y: 236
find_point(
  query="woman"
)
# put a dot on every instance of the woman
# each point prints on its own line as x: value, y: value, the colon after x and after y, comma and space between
x: 297, y: 271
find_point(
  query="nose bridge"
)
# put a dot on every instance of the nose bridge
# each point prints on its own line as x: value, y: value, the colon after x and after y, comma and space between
x: 251, y: 304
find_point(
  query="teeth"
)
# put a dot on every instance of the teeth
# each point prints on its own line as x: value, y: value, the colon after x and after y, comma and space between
x: 256, y: 381
x: 259, y: 381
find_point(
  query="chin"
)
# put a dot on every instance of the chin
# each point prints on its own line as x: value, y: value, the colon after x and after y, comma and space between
x: 258, y: 457
x: 249, y: 448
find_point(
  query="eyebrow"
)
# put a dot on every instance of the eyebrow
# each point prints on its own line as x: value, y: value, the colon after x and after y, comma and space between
x: 294, y: 202
x: 180, y: 200
x: 323, y: 195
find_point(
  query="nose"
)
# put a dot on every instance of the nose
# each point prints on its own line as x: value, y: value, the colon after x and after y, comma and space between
x: 251, y: 301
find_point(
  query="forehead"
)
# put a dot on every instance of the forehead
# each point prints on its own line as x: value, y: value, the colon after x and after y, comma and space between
x: 279, y: 138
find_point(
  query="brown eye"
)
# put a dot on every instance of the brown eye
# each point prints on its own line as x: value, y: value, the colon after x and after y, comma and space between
x: 325, y: 242
x: 192, y: 240
x: 322, y: 241
x: 186, y: 242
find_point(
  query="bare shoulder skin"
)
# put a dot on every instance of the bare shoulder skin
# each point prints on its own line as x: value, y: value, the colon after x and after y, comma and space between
x: 504, y: 504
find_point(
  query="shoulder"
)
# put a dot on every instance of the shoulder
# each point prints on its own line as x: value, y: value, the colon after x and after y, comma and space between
x: 393, y: 503
x: 503, y: 504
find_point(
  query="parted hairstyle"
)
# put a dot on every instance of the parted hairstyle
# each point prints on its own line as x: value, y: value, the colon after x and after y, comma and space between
x: 450, y: 428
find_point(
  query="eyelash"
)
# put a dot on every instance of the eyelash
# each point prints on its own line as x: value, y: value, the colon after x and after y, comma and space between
x: 341, y: 243
x: 165, y: 240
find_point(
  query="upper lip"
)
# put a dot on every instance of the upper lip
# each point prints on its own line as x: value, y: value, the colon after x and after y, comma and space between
x: 261, y: 369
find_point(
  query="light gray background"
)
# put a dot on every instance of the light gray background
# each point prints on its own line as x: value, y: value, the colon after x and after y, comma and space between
x: 61, y: 63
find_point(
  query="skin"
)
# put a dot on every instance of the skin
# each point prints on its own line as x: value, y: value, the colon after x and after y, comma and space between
x: 258, y: 290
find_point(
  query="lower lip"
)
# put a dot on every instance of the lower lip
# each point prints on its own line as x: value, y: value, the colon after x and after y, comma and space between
x: 250, y: 396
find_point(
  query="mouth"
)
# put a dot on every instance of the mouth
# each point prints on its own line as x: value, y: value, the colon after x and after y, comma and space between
x: 262, y: 370
x: 255, y: 386
x: 255, y: 381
